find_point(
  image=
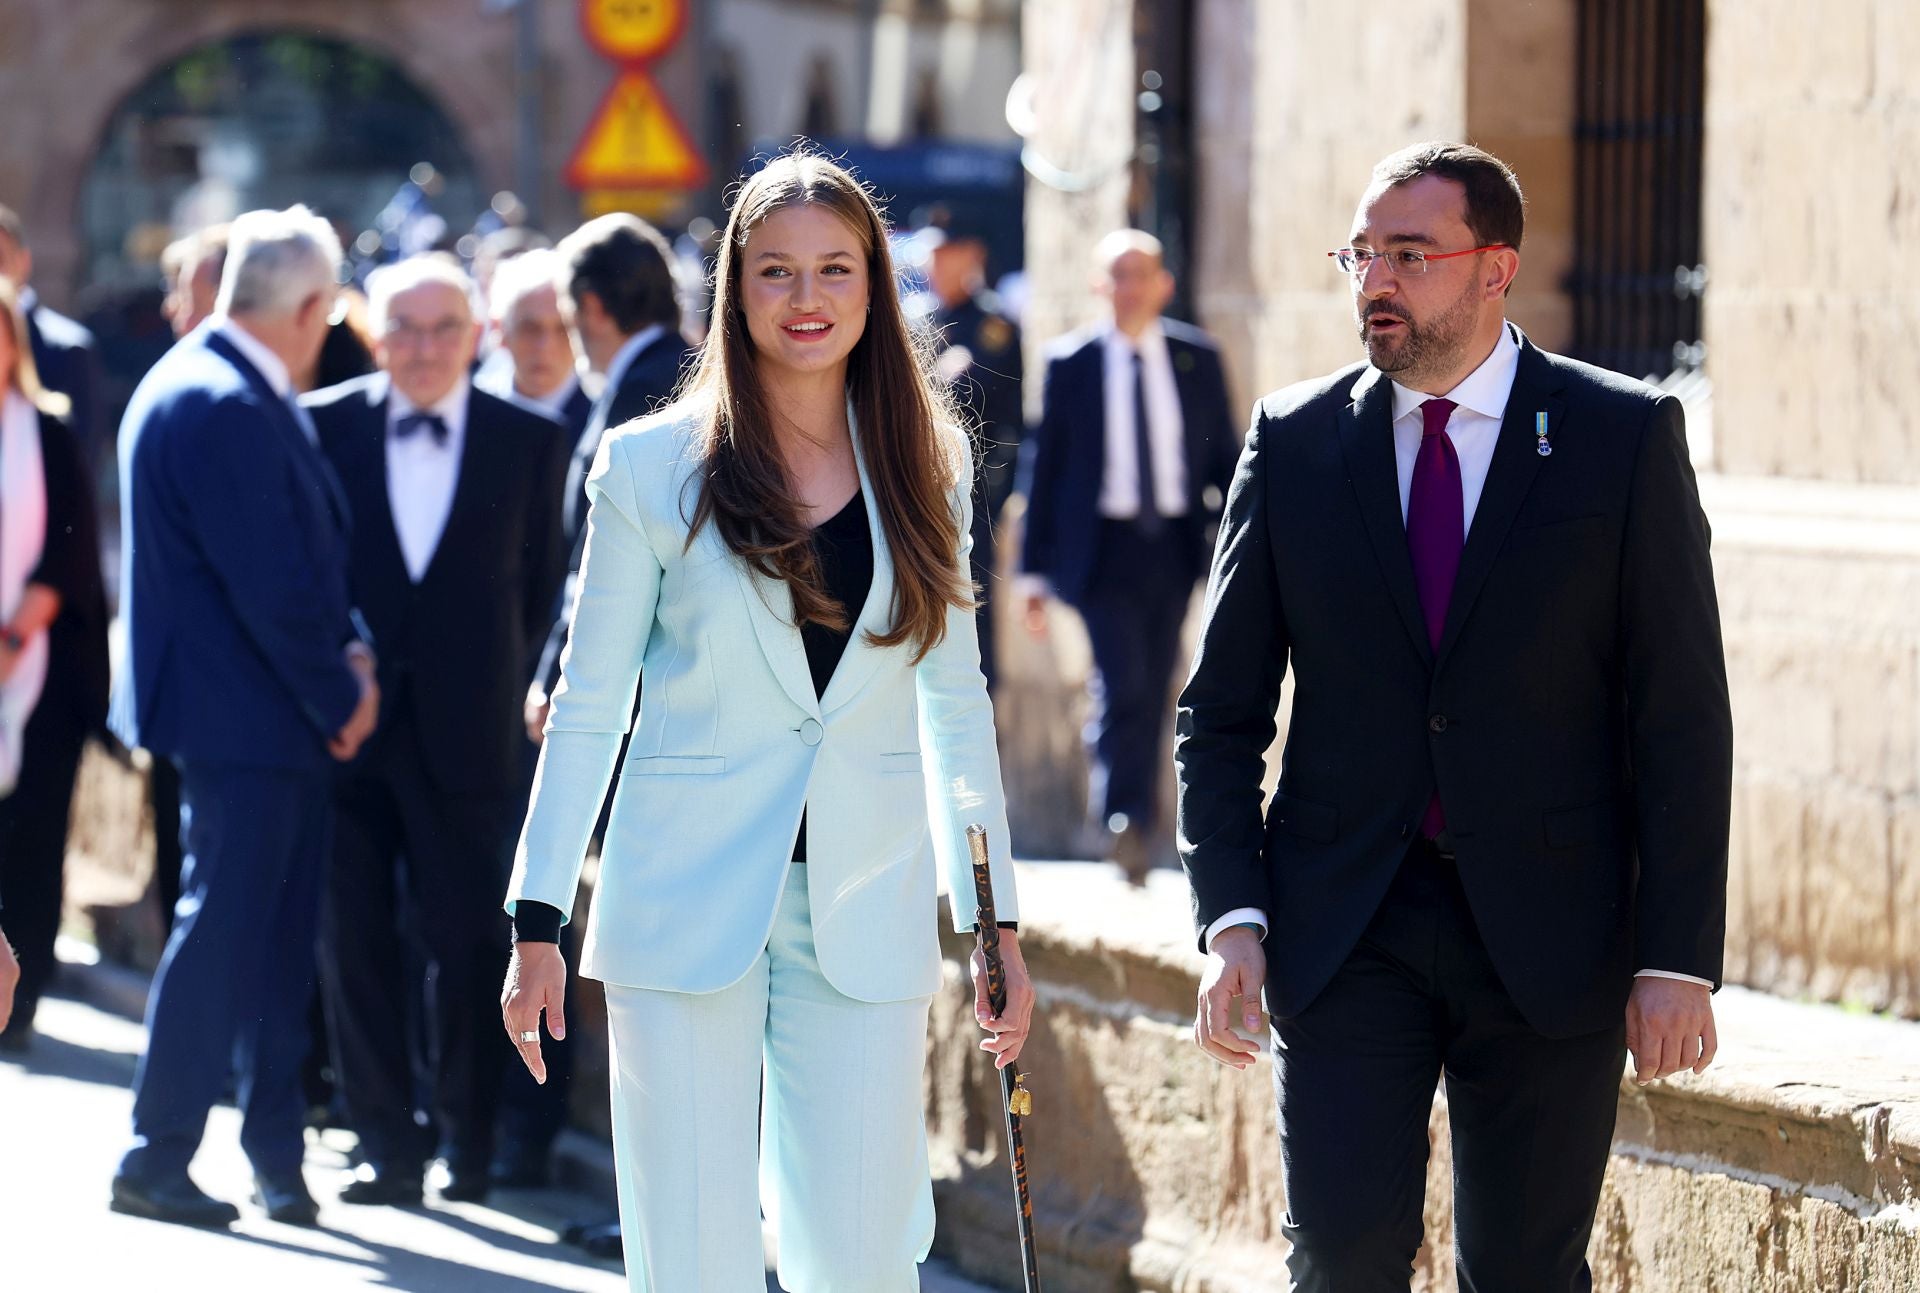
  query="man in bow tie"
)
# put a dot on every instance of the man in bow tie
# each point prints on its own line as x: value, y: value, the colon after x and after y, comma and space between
x: 1497, y: 854
x: 456, y: 558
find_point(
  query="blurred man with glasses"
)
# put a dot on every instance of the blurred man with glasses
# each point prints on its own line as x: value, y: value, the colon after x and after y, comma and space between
x: 1497, y: 852
x: 457, y: 554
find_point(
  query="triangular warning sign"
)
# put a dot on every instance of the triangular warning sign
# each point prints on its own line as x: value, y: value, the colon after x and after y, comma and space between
x: 635, y: 142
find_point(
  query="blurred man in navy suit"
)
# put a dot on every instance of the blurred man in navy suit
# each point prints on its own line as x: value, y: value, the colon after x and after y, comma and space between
x: 1124, y: 478
x: 248, y: 667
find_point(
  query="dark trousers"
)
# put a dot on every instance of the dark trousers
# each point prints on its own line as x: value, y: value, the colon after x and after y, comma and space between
x: 986, y: 582
x: 33, y: 846
x: 396, y: 831
x: 1133, y: 608
x: 1532, y: 1117
x: 532, y: 1114
x: 163, y: 798
x: 234, y: 983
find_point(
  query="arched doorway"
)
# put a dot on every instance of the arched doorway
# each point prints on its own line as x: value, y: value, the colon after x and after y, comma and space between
x: 264, y: 119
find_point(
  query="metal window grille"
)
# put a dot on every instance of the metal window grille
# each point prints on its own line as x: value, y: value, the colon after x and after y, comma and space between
x: 1638, y: 274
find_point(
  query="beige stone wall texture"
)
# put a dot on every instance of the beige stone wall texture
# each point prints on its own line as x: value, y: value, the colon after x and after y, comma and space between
x: 1791, y: 1167
x: 1812, y: 198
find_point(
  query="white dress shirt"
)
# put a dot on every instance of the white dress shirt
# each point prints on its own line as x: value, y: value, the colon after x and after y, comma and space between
x: 1166, y: 430
x: 1474, y: 427
x: 422, y: 475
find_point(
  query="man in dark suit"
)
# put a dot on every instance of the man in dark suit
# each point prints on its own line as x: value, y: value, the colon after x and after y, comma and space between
x: 621, y: 302
x: 456, y: 554
x: 63, y: 351
x: 980, y: 355
x: 1498, y: 849
x: 246, y: 668
x: 1123, y: 546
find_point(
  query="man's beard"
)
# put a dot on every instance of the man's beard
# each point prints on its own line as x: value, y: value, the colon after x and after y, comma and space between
x: 1426, y: 348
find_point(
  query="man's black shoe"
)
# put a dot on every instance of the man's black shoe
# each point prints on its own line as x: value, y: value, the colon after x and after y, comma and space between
x: 181, y: 1202
x: 373, y: 1185
x: 287, y: 1200
x: 462, y: 1184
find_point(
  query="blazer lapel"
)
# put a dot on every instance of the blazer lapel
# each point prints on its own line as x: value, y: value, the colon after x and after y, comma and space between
x: 770, y: 607
x: 1366, y: 439
x: 1516, y: 461
x: 306, y: 455
x: 861, y: 658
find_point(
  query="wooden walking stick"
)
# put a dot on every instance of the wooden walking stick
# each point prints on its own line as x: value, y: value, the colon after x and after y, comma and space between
x: 1016, y: 1100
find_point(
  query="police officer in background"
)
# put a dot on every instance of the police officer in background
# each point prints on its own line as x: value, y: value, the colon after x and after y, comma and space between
x: 979, y: 348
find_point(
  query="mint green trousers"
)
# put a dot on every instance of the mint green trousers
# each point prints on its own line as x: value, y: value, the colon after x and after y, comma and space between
x: 776, y: 1092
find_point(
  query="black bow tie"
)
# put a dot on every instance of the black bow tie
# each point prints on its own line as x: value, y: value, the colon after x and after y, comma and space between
x: 414, y: 422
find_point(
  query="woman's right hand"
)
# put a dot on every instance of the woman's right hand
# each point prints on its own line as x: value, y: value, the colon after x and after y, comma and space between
x: 536, y: 981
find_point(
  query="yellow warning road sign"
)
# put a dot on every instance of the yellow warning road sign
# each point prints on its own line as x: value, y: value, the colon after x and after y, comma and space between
x: 635, y: 142
x: 632, y: 31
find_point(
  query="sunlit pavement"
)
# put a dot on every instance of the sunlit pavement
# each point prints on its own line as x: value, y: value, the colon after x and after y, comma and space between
x: 64, y: 1110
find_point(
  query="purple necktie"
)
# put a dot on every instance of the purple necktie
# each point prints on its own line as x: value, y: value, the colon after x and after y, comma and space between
x: 1436, y: 531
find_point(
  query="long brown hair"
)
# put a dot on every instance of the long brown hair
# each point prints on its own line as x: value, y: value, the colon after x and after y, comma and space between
x: 909, y: 432
x: 26, y: 373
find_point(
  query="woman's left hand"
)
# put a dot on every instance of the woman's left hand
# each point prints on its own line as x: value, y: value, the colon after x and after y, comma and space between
x: 1009, y: 1031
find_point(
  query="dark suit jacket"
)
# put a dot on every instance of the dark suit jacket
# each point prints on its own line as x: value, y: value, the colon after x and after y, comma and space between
x: 1064, y: 460
x: 1574, y: 719
x: 646, y: 387
x: 455, y: 649
x: 69, y: 362
x: 233, y: 569
x: 77, y: 669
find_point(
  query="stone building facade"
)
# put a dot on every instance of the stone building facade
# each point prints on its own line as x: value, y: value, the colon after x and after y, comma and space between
x: 1808, y: 451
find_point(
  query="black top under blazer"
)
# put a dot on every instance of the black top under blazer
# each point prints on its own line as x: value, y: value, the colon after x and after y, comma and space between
x: 458, y: 647
x: 1575, y: 718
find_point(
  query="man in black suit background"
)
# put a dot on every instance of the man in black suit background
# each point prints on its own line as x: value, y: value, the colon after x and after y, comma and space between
x: 1124, y: 546
x: 620, y: 300
x: 456, y: 553
x: 63, y: 351
x: 1498, y: 849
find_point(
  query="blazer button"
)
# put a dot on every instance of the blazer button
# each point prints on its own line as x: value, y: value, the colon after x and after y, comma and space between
x: 1438, y: 723
x: 811, y: 731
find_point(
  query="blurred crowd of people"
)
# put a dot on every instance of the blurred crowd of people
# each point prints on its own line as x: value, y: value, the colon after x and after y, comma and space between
x: 351, y: 502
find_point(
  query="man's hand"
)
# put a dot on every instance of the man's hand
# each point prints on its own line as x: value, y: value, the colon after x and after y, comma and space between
x: 1009, y: 1031
x: 9, y: 979
x: 536, y: 981
x: 1035, y: 617
x: 1236, y: 967
x: 347, y: 741
x: 534, y: 714
x: 1669, y: 1027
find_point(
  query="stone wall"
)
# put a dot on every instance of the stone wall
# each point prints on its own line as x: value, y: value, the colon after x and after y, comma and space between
x: 1813, y: 192
x: 1792, y: 1166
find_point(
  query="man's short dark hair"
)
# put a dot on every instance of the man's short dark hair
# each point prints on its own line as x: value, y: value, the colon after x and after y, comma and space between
x: 12, y: 226
x: 627, y: 264
x: 1496, y: 209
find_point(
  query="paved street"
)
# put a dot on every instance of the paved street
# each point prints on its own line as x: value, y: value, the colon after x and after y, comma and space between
x: 64, y: 1112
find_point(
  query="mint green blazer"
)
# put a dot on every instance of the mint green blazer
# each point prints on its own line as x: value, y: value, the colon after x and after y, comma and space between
x: 891, y: 764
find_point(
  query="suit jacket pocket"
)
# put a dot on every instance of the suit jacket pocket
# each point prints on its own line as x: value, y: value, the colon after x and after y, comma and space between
x: 909, y: 761
x: 1306, y: 818
x: 681, y: 764
x: 1572, y: 828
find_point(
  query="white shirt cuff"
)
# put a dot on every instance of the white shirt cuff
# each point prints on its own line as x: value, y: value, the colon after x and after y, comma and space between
x: 1669, y: 974
x: 1238, y: 916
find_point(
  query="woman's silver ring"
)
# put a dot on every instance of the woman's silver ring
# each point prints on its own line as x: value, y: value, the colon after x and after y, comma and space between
x: 531, y: 1035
